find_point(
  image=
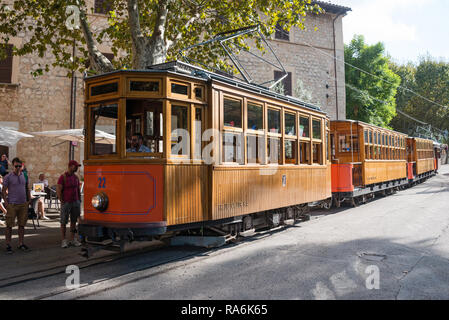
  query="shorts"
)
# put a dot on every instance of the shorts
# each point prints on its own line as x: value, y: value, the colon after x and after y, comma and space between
x: 72, y: 209
x: 16, y: 210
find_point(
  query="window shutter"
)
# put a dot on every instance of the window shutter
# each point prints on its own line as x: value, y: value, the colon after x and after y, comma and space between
x: 287, y: 81
x: 102, y: 6
x: 281, y: 34
x: 6, y: 66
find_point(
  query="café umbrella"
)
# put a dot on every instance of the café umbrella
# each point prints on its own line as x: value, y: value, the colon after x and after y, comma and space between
x: 78, y: 135
x: 9, y: 136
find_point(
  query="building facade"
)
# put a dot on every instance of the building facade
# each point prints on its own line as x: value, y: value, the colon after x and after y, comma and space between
x: 44, y: 103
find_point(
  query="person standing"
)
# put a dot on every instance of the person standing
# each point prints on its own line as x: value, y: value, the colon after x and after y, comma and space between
x: 4, y: 165
x: 2, y: 207
x: 68, y: 190
x: 16, y: 195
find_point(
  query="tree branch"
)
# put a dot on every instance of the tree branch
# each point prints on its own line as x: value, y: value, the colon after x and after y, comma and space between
x: 97, y: 60
x: 179, y: 35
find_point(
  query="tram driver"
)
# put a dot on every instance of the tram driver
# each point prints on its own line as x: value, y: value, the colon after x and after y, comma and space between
x: 137, y: 144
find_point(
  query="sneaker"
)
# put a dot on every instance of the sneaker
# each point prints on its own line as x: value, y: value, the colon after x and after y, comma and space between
x: 75, y: 243
x: 64, y: 244
x: 23, y: 248
x: 9, y: 249
x: 45, y: 218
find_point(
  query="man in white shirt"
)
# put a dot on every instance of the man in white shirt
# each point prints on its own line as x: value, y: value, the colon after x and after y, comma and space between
x: 40, y: 202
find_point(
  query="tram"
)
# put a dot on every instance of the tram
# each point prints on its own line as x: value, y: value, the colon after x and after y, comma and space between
x: 215, y: 153
x: 367, y: 159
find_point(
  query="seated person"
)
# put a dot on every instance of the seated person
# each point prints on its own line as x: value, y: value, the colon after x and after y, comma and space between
x: 40, y: 201
x: 137, y: 144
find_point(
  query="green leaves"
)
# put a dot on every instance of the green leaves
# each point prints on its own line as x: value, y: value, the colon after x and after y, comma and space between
x: 369, y: 97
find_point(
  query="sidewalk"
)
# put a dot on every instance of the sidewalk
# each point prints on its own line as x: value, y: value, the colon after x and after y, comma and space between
x: 45, y: 255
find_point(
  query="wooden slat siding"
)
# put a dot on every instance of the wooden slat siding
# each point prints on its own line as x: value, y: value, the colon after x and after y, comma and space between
x: 186, y: 193
x: 250, y: 192
x: 376, y: 171
x: 425, y: 165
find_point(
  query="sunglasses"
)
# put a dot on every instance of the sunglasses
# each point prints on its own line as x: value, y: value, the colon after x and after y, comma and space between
x: 18, y: 166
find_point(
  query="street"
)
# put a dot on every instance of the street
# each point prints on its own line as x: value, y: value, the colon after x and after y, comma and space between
x: 335, y: 255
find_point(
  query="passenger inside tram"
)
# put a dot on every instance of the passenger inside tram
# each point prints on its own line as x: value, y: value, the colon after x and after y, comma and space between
x: 137, y: 144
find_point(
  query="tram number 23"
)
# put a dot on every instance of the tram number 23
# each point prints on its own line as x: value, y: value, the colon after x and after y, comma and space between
x: 102, y: 182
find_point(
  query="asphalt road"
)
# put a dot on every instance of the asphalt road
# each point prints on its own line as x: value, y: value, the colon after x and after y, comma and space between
x: 336, y: 255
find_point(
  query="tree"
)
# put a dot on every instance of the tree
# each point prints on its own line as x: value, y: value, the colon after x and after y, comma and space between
x: 146, y: 31
x: 370, y: 97
x: 427, y: 95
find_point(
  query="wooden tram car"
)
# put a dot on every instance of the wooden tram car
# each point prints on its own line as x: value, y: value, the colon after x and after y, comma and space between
x: 249, y: 157
x: 367, y: 159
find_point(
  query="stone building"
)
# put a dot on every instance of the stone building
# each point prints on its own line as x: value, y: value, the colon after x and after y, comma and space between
x: 44, y: 103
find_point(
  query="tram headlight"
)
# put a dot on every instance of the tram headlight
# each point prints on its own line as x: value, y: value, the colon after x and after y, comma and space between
x: 100, y: 201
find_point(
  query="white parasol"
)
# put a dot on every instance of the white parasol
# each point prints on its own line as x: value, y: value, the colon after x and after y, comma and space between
x: 10, y: 136
x: 77, y: 135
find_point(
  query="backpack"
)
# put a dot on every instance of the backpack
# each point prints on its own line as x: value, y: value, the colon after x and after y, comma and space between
x: 64, y: 181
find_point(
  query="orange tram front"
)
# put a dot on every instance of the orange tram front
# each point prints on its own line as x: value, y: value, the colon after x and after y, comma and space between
x: 215, y: 152
x: 367, y: 159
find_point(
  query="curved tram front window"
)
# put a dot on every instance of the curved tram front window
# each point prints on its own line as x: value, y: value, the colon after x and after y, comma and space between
x: 104, y: 129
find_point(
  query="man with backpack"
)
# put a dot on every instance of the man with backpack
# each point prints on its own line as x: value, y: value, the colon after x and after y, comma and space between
x: 68, y: 190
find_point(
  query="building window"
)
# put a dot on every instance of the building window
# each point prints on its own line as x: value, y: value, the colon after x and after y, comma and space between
x: 6, y: 66
x: 286, y: 82
x: 102, y: 6
x: 281, y: 33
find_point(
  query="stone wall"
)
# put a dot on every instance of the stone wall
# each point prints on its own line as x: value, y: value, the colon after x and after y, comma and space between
x: 43, y: 103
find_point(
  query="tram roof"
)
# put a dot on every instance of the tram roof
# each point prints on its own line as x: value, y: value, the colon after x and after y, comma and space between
x: 369, y: 125
x: 197, y: 73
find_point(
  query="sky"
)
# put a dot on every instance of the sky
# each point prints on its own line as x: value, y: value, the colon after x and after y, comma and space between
x: 408, y: 28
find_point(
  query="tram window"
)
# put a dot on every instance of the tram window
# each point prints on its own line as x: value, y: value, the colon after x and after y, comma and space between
x: 179, y: 88
x: 104, y: 89
x: 317, y: 153
x: 290, y: 124
x: 370, y: 137
x: 304, y: 148
x: 104, y: 129
x: 198, y: 133
x: 290, y: 147
x: 144, y: 117
x: 328, y: 146
x: 232, y: 110
x: 146, y: 86
x: 375, y: 137
x: 316, y: 126
x: 366, y: 136
x: 179, y: 131
x: 232, y: 147
x: 255, y: 117
x: 199, y: 93
x: 274, y: 150
x: 347, y: 143
x: 304, y: 127
x: 274, y: 121
x: 255, y: 148
x: 367, y: 155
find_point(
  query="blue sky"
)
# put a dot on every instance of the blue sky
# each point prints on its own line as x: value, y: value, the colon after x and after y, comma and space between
x: 408, y: 28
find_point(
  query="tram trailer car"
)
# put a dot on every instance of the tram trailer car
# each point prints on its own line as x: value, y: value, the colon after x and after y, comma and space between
x: 270, y: 155
x: 367, y: 159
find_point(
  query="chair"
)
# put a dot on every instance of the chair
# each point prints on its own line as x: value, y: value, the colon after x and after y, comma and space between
x: 53, y: 196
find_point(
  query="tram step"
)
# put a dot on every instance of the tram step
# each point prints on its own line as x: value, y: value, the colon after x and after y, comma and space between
x: 198, y: 241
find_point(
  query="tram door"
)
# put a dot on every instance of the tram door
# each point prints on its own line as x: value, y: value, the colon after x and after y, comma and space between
x: 145, y: 117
